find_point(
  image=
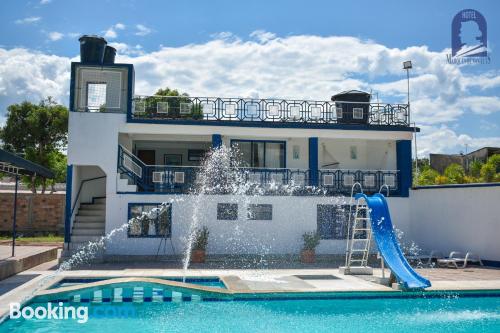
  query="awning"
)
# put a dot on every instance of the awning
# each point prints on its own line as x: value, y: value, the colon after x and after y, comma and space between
x: 13, y: 164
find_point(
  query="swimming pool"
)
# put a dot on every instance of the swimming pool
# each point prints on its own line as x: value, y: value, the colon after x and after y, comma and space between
x: 213, y: 282
x: 331, y: 312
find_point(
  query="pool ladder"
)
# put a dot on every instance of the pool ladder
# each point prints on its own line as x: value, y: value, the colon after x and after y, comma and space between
x: 361, y: 236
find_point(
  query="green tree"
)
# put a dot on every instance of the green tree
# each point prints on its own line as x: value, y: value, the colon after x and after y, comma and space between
x: 455, y: 173
x: 428, y: 177
x: 36, y: 131
x: 475, y: 168
x: 495, y: 161
x: 488, y: 172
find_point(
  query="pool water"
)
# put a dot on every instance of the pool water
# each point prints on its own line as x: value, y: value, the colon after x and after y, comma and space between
x: 213, y: 282
x: 446, y: 314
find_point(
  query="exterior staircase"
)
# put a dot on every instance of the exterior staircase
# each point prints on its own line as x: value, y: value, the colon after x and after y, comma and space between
x: 89, y: 225
x: 123, y: 184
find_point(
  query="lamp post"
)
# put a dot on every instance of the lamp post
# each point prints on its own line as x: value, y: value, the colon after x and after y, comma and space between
x: 407, y: 65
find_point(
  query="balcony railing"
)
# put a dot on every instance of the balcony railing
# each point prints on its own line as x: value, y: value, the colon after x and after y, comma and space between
x: 216, y: 109
x: 267, y: 181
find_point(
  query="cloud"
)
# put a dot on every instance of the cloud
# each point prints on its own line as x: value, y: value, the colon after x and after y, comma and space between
x: 55, y: 36
x: 45, y: 2
x: 142, y: 30
x: 112, y: 33
x: 298, y: 67
x: 30, y: 75
x: 28, y: 20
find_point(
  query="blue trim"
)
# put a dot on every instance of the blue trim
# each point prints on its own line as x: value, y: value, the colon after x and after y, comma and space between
x: 403, y: 155
x: 130, y: 83
x: 265, y: 141
x: 313, y: 162
x: 456, y: 186
x: 129, y: 216
x: 271, y: 124
x: 491, y: 263
x: 69, y: 190
x: 216, y: 141
x: 72, y: 86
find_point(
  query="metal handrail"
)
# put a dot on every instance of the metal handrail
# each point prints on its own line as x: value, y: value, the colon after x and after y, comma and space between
x: 80, y: 190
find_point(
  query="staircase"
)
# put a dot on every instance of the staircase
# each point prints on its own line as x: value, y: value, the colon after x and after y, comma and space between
x: 89, y: 223
x: 123, y: 184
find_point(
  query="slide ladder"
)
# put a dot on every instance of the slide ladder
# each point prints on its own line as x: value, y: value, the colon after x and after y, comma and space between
x: 361, y: 236
x: 387, y: 243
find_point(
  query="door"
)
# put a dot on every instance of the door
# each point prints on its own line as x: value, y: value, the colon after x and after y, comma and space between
x: 148, y: 157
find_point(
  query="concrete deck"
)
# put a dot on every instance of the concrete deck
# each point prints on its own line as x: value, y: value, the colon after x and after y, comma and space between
x: 32, y: 281
x: 25, y: 258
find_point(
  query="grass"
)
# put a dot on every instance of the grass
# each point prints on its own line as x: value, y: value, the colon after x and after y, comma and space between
x: 39, y: 239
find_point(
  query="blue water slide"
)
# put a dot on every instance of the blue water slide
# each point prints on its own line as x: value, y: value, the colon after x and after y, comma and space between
x: 388, y: 246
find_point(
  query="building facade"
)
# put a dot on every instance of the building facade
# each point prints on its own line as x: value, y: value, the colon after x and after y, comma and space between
x: 127, y: 154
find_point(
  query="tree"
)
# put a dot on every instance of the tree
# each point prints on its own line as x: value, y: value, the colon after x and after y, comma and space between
x: 36, y: 131
x: 455, y: 173
x: 428, y: 177
x: 475, y: 168
x: 488, y: 172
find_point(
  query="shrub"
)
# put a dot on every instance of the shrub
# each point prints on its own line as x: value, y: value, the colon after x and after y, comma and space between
x: 440, y: 180
x: 455, y: 173
x: 488, y: 172
x: 311, y: 240
x: 201, y: 239
x: 428, y: 177
x: 495, y: 161
x: 475, y: 169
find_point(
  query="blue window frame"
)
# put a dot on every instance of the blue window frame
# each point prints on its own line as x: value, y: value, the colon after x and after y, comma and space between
x: 261, y: 153
x: 149, y: 220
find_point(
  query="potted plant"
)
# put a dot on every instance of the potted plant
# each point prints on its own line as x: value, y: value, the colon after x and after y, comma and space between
x: 199, y: 245
x: 308, y: 253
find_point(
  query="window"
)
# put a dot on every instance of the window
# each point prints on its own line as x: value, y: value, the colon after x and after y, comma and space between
x: 332, y: 221
x: 96, y: 96
x: 261, y: 154
x: 195, y: 155
x: 149, y: 220
x: 339, y: 111
x: 260, y: 212
x: 357, y: 113
x: 227, y: 211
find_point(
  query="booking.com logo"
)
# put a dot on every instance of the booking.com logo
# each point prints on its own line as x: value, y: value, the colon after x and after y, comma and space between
x: 469, y: 38
x: 68, y: 312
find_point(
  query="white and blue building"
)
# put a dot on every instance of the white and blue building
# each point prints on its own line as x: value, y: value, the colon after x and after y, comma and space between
x: 128, y: 153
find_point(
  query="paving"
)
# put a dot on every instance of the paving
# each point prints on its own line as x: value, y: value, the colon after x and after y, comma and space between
x: 29, y: 282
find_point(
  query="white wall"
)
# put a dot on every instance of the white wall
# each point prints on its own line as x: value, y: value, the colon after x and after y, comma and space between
x: 292, y: 216
x: 457, y: 219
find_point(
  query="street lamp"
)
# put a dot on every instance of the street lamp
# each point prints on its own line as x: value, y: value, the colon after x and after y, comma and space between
x: 407, y: 65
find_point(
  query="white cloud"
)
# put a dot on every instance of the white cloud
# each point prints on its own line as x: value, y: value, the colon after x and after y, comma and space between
x: 301, y: 67
x: 142, y: 30
x: 45, y: 2
x: 55, y: 36
x: 28, y: 20
x: 112, y: 33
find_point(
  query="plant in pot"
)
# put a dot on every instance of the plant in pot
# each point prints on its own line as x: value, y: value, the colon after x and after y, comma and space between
x: 308, y: 253
x: 200, y: 242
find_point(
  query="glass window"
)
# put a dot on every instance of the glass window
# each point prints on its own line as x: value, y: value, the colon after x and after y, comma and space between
x: 260, y: 212
x: 261, y: 154
x: 227, y: 211
x: 150, y: 220
x: 96, y: 96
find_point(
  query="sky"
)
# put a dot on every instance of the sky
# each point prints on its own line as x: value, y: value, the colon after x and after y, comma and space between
x: 265, y: 49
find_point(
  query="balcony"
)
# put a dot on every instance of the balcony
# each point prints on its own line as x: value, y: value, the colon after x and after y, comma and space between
x: 266, y: 181
x: 265, y: 112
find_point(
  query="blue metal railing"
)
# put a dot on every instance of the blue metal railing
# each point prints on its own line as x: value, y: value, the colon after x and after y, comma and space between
x: 267, y: 110
x: 183, y: 179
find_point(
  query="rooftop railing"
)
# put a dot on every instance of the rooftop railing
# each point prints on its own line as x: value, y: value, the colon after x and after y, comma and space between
x: 218, y: 109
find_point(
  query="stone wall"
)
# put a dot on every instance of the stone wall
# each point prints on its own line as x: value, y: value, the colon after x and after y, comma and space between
x: 36, y: 213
